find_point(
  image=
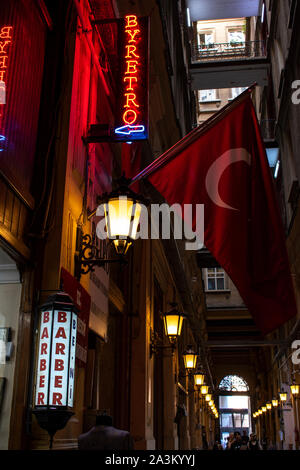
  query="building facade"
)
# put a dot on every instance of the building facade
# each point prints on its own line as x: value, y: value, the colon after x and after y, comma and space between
x: 51, y: 176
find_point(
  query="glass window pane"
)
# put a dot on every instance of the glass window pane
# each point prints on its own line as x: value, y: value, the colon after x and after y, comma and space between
x: 236, y: 36
x: 226, y: 420
x: 211, y: 284
x: 220, y: 284
x: 233, y: 402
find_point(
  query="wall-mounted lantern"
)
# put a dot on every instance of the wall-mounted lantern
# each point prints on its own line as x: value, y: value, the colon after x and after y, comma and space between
x: 190, y: 359
x: 204, y: 390
x: 269, y: 406
x: 173, y: 320
x: 55, y: 368
x: 295, y: 389
x: 199, y: 378
x: 283, y: 396
x: 275, y: 403
x: 122, y: 209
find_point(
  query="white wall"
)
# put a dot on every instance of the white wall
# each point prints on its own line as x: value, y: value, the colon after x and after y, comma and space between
x: 10, y: 296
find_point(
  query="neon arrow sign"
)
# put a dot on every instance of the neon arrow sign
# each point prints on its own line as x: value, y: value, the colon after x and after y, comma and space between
x: 2, y: 139
x: 133, y: 99
x: 127, y: 130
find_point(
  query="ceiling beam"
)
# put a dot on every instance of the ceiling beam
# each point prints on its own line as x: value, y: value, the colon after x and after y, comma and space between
x: 244, y: 344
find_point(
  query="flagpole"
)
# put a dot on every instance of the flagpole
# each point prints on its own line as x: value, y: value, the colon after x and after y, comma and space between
x: 191, y: 137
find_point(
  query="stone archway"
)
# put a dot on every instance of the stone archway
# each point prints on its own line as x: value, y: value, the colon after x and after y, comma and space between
x: 234, y: 406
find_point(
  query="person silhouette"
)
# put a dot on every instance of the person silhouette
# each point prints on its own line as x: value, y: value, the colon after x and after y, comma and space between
x: 104, y: 436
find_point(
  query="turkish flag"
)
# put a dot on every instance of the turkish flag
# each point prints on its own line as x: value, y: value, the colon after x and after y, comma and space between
x: 226, y: 169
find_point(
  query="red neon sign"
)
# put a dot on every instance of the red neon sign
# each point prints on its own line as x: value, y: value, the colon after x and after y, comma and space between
x: 133, y: 102
x: 5, y: 42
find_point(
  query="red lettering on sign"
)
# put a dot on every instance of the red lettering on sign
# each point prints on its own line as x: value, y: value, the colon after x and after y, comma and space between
x: 42, y: 381
x: 59, y: 364
x: 45, y: 333
x: 62, y: 317
x: 61, y: 333
x: 43, y: 364
x: 58, y: 381
x: 40, y: 400
x: 46, y: 317
x: 44, y: 348
x: 57, y: 399
x: 60, y: 348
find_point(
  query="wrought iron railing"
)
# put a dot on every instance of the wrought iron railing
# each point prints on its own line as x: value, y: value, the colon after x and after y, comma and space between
x: 228, y: 51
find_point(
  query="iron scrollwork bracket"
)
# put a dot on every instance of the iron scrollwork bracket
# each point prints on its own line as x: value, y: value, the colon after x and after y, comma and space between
x: 88, y: 256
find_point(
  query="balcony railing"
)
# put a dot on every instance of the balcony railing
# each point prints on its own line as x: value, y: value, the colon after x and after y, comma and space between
x: 228, y: 51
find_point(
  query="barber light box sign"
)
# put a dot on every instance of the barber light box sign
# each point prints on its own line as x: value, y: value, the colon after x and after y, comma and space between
x: 132, y: 119
x: 56, y: 359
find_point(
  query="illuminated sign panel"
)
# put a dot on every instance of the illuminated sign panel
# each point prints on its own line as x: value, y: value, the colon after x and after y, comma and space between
x: 132, y: 115
x: 56, y: 361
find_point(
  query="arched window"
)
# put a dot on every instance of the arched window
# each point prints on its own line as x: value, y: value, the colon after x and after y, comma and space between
x: 233, y: 383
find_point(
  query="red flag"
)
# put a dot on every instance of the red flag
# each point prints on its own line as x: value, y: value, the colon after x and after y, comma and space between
x: 226, y: 169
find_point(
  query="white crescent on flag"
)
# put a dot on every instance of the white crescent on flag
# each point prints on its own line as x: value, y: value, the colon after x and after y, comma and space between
x: 216, y: 170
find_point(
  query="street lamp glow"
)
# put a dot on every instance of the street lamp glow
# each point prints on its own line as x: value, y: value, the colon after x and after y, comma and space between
x: 190, y: 359
x: 295, y: 389
x: 173, y: 321
x: 283, y: 396
x: 199, y: 379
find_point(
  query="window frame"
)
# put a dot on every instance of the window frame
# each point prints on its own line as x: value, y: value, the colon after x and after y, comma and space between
x: 215, y: 277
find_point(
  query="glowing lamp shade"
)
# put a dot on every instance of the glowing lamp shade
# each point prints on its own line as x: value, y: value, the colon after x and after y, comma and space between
x: 204, y: 390
x: 173, y: 321
x: 295, y: 389
x: 199, y: 379
x: 122, y: 215
x: 189, y: 359
x: 283, y: 396
x: 208, y: 397
x: 269, y: 406
x: 275, y: 403
x: 264, y: 409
